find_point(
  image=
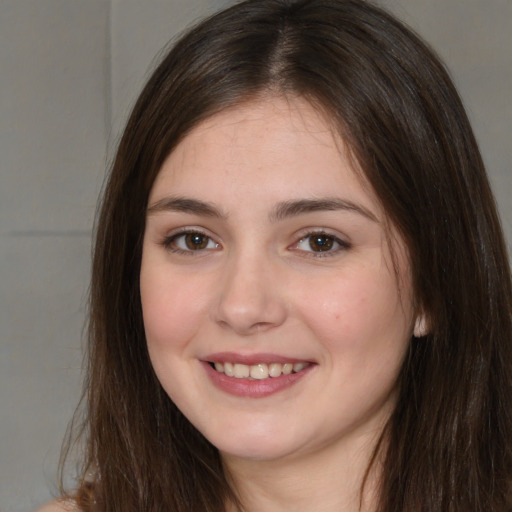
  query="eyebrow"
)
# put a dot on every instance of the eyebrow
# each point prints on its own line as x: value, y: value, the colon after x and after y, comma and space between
x: 186, y: 205
x: 302, y: 206
x: 280, y: 212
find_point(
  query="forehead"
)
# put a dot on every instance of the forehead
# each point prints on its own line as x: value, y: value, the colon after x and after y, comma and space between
x: 281, y: 143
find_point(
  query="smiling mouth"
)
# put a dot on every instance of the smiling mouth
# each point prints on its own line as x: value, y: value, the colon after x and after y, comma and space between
x: 260, y: 371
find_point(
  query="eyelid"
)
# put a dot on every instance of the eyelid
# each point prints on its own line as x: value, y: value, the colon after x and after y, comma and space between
x: 342, y: 244
x: 175, y: 234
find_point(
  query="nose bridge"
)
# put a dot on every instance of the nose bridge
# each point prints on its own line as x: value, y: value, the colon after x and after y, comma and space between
x: 250, y: 298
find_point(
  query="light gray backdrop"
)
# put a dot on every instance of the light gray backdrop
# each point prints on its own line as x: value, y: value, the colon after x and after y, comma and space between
x: 69, y: 71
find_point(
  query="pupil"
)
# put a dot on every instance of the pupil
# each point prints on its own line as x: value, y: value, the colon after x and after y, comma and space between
x: 195, y: 241
x: 321, y: 243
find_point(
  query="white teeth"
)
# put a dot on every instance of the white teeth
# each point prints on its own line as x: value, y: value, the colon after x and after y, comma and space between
x: 297, y: 367
x: 275, y: 369
x: 258, y: 371
x: 287, y: 368
x: 241, y: 371
x: 228, y: 369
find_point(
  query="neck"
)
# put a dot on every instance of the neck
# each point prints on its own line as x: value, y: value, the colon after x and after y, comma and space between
x: 335, y: 479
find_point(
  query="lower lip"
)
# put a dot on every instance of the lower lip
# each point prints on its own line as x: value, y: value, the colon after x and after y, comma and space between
x: 253, y: 388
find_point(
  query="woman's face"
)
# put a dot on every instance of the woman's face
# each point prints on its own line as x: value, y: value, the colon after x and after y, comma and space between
x: 276, y: 318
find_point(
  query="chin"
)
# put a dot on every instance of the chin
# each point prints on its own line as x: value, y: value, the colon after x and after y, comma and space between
x: 257, y: 452
x: 257, y: 446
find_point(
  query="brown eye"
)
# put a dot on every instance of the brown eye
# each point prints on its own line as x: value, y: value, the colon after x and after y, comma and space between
x: 195, y: 241
x: 190, y: 241
x: 321, y: 242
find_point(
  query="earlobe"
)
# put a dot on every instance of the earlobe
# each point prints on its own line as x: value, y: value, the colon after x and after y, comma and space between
x: 420, y: 326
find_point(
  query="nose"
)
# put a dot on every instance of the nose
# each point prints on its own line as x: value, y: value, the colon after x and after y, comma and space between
x: 251, y: 298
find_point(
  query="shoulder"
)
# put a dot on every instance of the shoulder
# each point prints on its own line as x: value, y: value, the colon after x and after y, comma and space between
x: 59, y: 506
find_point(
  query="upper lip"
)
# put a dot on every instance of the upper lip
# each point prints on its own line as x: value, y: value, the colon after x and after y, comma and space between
x: 251, y: 359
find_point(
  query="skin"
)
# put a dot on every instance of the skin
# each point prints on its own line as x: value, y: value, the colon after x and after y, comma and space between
x: 257, y: 284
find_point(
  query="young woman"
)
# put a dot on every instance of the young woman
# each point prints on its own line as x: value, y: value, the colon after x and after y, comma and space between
x: 301, y: 297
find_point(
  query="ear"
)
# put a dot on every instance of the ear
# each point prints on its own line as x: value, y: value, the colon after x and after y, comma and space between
x: 420, y: 326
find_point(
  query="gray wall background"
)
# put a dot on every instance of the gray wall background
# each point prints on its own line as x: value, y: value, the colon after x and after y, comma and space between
x: 69, y: 71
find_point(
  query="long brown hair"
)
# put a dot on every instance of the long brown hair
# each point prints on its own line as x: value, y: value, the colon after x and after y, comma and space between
x: 448, y: 443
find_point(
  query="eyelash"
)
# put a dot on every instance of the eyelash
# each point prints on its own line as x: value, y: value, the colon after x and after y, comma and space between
x: 337, y: 244
x: 169, y: 241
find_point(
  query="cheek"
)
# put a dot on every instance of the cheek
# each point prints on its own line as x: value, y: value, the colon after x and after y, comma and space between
x: 357, y: 311
x: 170, y: 311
